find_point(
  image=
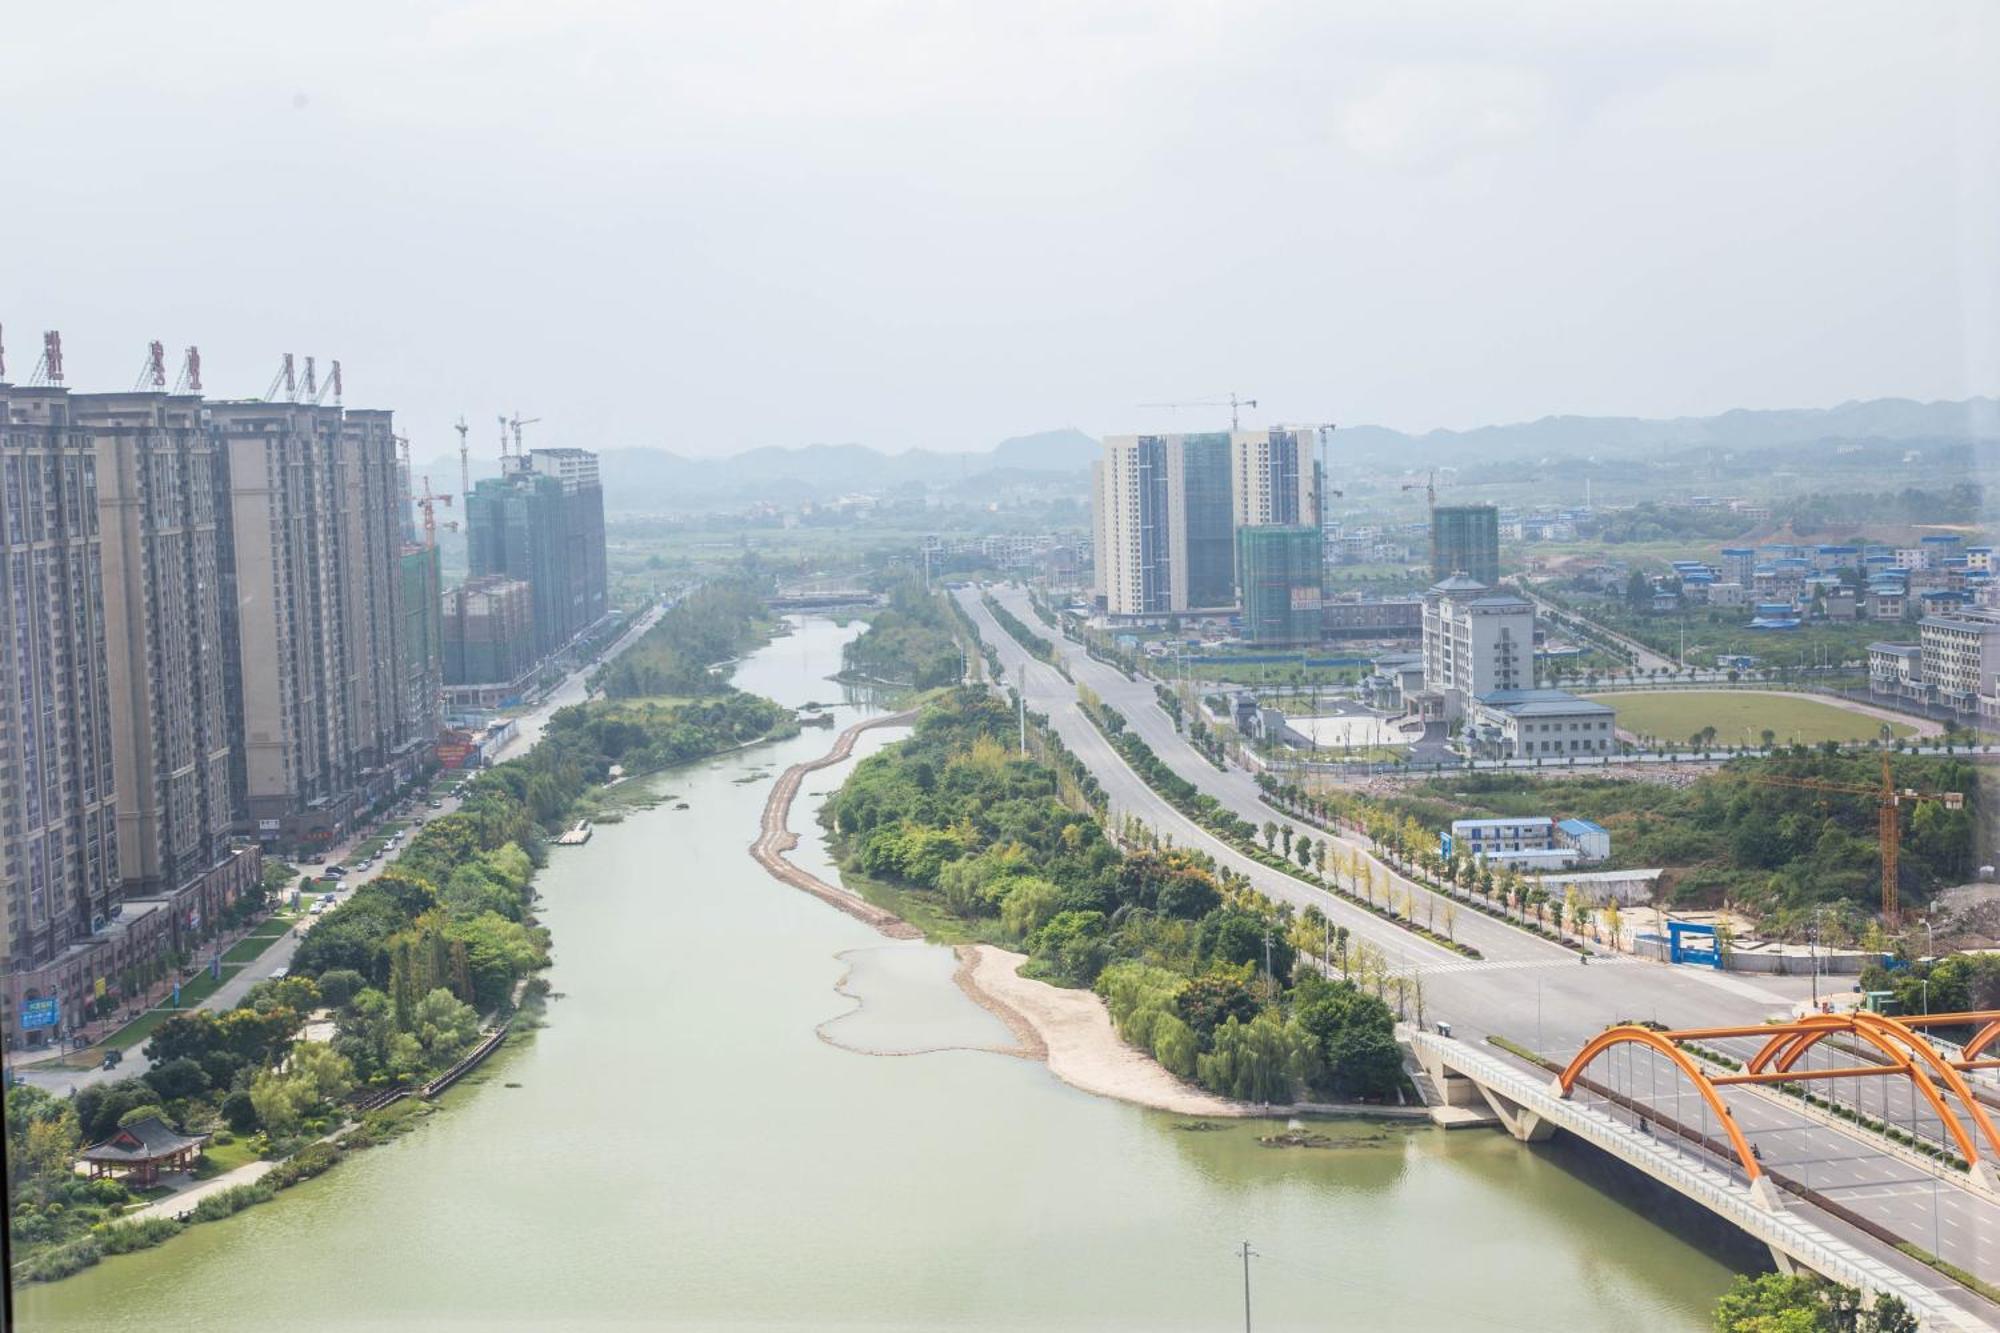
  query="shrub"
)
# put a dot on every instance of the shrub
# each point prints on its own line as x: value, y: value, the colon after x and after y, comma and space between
x: 233, y: 1200
x: 125, y: 1237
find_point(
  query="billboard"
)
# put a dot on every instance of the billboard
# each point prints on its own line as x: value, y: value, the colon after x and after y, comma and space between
x: 42, y: 1012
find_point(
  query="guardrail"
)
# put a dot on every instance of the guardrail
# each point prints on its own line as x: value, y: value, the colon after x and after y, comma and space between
x: 1805, y: 1241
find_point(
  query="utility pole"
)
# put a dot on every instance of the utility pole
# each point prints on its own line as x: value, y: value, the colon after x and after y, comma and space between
x: 1815, y: 958
x: 1248, y: 1255
x: 1270, y: 982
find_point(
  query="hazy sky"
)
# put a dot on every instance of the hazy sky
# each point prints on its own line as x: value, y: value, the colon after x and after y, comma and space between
x: 720, y: 225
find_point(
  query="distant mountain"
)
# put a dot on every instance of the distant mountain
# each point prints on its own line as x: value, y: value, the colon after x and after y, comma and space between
x: 1877, y: 419
x: 658, y: 481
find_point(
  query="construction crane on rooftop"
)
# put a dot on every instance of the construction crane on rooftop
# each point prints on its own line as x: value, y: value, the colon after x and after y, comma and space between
x: 464, y: 458
x: 190, y: 377
x: 428, y: 501
x: 1232, y: 402
x: 1889, y: 800
x: 153, y: 374
x: 517, y: 422
x: 286, y: 377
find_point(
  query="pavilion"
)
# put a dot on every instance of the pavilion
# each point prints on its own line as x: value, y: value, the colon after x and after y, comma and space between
x: 143, y: 1149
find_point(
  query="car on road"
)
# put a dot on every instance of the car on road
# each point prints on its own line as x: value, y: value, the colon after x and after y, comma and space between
x: 335, y: 869
x: 437, y: 805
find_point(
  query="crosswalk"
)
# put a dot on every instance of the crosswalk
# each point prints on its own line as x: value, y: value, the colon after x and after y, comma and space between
x: 1512, y: 965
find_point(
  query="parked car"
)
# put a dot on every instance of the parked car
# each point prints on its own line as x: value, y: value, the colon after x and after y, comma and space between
x: 437, y: 805
x: 335, y: 869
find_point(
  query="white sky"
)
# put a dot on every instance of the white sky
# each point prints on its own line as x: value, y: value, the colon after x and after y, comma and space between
x: 718, y: 225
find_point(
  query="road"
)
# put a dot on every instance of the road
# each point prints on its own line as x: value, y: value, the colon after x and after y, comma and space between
x: 574, y: 689
x: 1526, y: 988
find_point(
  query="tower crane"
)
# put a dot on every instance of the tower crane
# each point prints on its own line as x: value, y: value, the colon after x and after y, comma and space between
x: 1232, y: 402
x: 288, y: 378
x: 428, y: 501
x: 1326, y: 430
x: 1889, y: 800
x: 517, y: 422
x: 464, y: 458
x: 153, y: 375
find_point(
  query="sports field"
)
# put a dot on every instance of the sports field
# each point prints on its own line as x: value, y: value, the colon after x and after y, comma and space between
x: 1740, y: 717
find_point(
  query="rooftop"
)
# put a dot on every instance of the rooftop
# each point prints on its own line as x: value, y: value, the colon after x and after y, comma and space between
x: 1543, y: 703
x: 141, y: 1141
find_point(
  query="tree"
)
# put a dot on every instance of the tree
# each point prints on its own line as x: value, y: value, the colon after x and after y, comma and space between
x: 1803, y: 1303
x: 444, y: 1026
x: 1270, y: 834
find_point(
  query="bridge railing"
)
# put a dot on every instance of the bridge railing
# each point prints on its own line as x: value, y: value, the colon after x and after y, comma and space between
x: 1804, y: 1240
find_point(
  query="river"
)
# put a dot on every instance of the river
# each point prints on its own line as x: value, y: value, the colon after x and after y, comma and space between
x: 679, y: 1148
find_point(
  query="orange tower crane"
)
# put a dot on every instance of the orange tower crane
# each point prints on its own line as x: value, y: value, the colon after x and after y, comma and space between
x: 428, y: 502
x: 1889, y: 800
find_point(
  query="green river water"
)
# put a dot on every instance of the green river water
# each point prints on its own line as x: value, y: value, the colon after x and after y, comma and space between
x: 685, y: 1151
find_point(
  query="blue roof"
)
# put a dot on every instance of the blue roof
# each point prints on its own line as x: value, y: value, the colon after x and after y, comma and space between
x: 1523, y: 821
x: 1579, y: 826
x: 1542, y: 702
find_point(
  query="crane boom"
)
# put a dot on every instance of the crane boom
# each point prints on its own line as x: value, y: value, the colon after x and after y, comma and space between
x: 1232, y: 402
x: 1889, y: 800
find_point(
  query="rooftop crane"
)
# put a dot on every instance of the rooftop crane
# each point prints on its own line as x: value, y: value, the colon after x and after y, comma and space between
x: 287, y: 378
x: 153, y: 375
x: 1889, y: 800
x: 49, y: 370
x: 1232, y: 402
x: 464, y: 458
x: 331, y: 383
x: 428, y: 502
x: 190, y: 378
x: 518, y: 422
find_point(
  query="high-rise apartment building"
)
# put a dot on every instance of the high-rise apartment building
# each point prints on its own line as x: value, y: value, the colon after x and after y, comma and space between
x: 59, y: 867
x: 1465, y: 539
x: 421, y: 641
x: 1166, y: 509
x: 542, y: 522
x: 159, y: 491
x: 1275, y: 477
x: 315, y: 616
x: 1134, y: 553
x: 1283, y: 571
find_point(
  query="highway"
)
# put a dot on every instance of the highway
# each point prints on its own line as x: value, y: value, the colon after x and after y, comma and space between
x: 1527, y: 989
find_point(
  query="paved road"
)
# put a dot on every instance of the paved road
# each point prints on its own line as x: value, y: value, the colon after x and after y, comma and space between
x: 528, y: 727
x: 1526, y: 989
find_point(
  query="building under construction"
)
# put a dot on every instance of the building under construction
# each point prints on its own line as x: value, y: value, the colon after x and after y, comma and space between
x: 542, y: 522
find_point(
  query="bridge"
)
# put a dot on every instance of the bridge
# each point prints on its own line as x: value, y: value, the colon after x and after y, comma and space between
x: 1722, y: 1174
x: 823, y: 599
x: 1829, y: 1155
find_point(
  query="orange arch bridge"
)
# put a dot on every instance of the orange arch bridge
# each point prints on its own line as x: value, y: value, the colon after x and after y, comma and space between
x: 1897, y: 1047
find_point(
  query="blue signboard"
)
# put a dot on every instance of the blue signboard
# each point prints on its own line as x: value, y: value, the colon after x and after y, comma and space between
x: 44, y: 1012
x: 1444, y: 845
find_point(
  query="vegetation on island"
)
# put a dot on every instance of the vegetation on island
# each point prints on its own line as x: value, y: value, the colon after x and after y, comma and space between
x: 1197, y: 969
x: 710, y: 625
x: 909, y: 642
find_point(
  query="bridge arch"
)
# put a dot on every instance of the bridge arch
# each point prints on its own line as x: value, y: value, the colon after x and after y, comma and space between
x: 1633, y: 1034
x: 1904, y: 1051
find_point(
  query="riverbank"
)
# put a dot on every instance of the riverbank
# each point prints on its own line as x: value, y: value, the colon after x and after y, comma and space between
x: 1071, y: 1031
x: 775, y: 837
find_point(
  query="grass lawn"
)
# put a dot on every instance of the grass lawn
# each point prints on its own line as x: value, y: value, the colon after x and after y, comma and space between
x: 221, y: 1157
x: 250, y: 946
x: 192, y: 994
x: 1740, y: 717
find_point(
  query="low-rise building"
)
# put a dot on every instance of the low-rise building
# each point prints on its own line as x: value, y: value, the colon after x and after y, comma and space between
x: 1540, y: 723
x: 1960, y: 655
x: 1592, y: 841
x: 1896, y: 669
x: 1483, y: 837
